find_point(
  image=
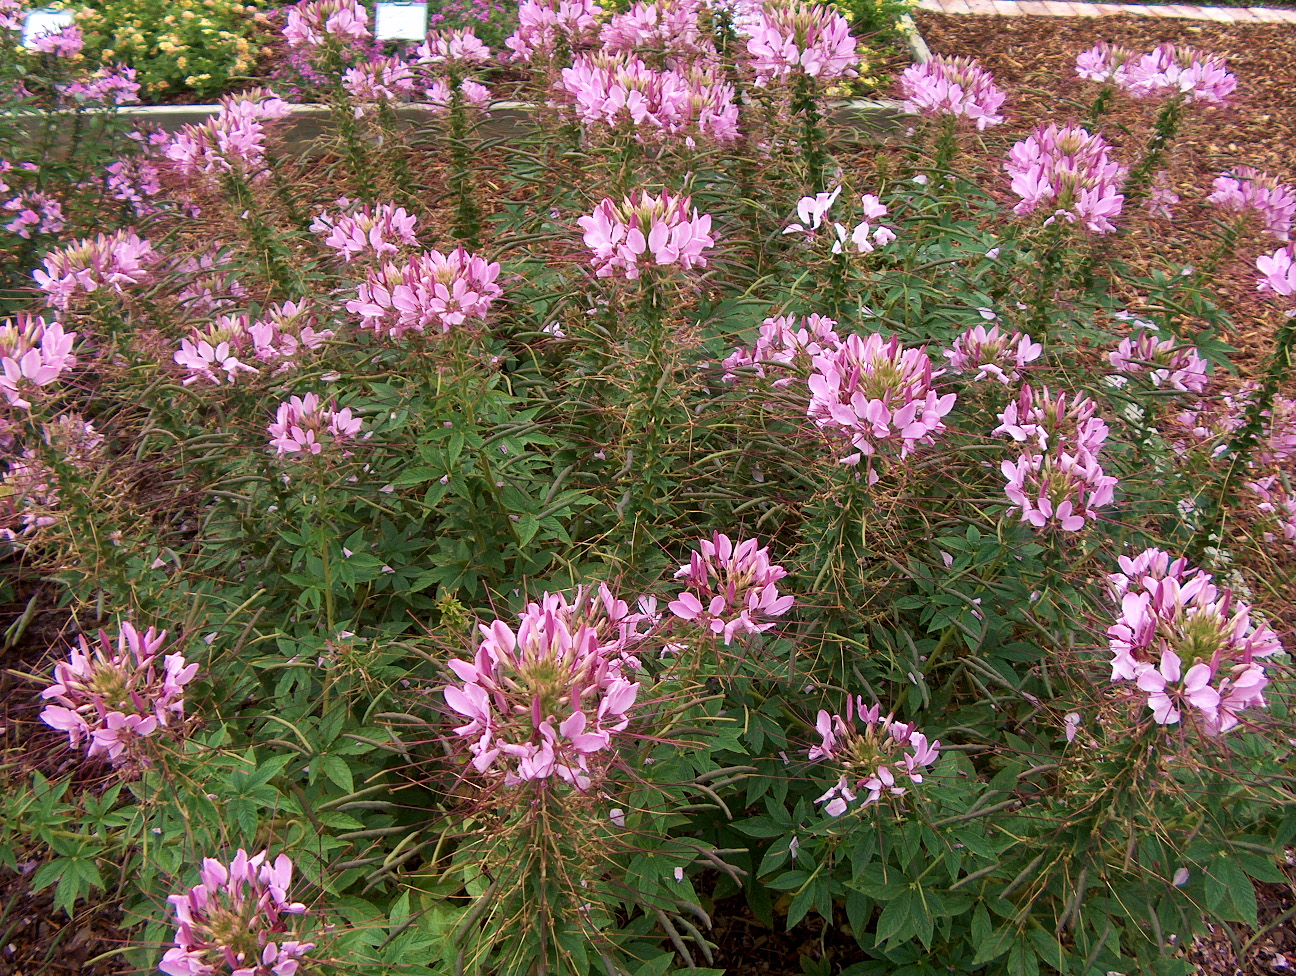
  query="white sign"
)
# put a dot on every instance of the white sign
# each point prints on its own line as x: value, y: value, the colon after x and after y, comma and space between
x: 42, y: 22
x: 400, y: 21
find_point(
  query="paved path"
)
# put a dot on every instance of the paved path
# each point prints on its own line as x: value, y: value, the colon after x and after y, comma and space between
x: 1063, y: 8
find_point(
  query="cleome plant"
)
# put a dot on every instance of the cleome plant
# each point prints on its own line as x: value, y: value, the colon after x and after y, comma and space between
x: 438, y: 551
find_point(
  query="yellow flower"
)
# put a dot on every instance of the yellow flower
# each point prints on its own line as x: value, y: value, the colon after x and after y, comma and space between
x: 187, y: 15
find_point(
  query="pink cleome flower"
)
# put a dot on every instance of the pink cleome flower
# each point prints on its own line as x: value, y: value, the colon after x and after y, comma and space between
x: 802, y: 39
x: 1070, y: 171
x: 314, y: 23
x: 109, y: 699
x: 1167, y: 363
x: 1105, y: 63
x: 1179, y: 73
x: 37, y: 213
x: 620, y: 236
x: 472, y: 94
x: 877, y: 395
x: 1276, y: 508
x: 667, y: 29
x: 813, y: 213
x: 381, y: 80
x: 379, y: 231
x: 235, y: 920
x: 543, y: 700
x: 993, y: 354
x: 32, y: 500
x: 107, y: 261
x: 66, y: 42
x: 302, y: 422
x: 1279, y: 270
x: 546, y: 28
x: 1248, y: 191
x: 621, y: 90
x: 1046, y: 418
x: 1187, y: 645
x: 213, y: 353
x: 875, y: 753
x: 783, y: 349
x: 953, y: 88
x: 1057, y: 488
x: 231, y: 141
x: 434, y: 290
x: 732, y: 588
x: 33, y: 354
x: 459, y: 47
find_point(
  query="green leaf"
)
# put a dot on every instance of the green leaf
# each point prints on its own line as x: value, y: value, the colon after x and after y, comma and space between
x: 337, y: 770
x: 1230, y: 892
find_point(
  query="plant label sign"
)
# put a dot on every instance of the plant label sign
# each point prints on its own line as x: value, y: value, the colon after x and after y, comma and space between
x: 400, y: 21
x: 41, y: 22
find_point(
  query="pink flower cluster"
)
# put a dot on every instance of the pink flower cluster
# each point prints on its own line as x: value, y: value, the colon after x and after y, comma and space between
x: 378, y: 231
x: 32, y: 500
x: 952, y: 87
x: 213, y: 353
x: 1180, y: 72
x: 1246, y: 190
x: 313, y: 23
x: 66, y: 42
x: 993, y: 354
x: 36, y: 213
x: 620, y: 236
x: 107, y: 86
x: 12, y: 14
x: 207, y: 285
x: 381, y: 80
x: 1070, y: 171
x: 472, y: 93
x: 33, y: 353
x: 434, y: 290
x: 1058, y: 487
x: 232, y: 141
x: 546, y: 28
x: 732, y: 588
x: 1279, y: 270
x: 802, y: 39
x: 109, y: 699
x: 1045, y: 419
x: 1276, y: 507
x: 460, y: 47
x: 814, y: 211
x: 874, y: 752
x: 1185, y: 643
x: 544, y: 699
x: 689, y: 103
x: 304, y: 427
x: 234, y: 919
x: 1217, y: 423
x: 133, y: 181
x: 1167, y: 363
x: 106, y: 261
x: 876, y: 394
x: 1062, y: 482
x: 664, y: 28
x: 782, y: 344
x: 1105, y: 63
